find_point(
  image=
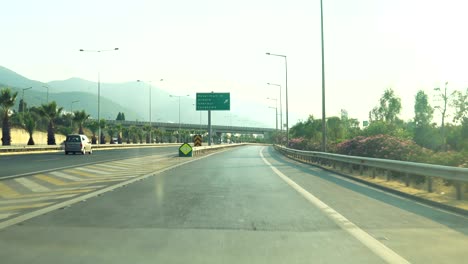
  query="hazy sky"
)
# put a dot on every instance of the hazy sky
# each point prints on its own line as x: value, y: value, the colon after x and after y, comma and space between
x: 216, y: 45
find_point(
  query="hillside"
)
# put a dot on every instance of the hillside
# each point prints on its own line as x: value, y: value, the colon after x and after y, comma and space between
x: 132, y: 99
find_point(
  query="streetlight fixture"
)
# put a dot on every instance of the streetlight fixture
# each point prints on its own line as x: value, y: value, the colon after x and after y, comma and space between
x: 71, y: 109
x: 179, y: 96
x: 99, y: 87
x: 47, y: 98
x: 281, y: 104
x: 276, y: 108
x: 287, y: 113
x: 149, y: 119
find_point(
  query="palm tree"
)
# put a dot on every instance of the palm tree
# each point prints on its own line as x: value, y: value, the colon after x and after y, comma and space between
x: 93, y: 126
x: 158, y: 134
x: 102, y: 125
x: 29, y: 124
x: 51, y: 112
x: 140, y: 134
x: 111, y: 132
x: 80, y: 117
x: 147, y: 129
x: 132, y: 131
x: 126, y: 134
x: 118, y: 129
x: 7, y: 101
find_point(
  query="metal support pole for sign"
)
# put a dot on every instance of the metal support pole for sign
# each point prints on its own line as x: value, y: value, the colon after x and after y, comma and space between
x: 209, y: 127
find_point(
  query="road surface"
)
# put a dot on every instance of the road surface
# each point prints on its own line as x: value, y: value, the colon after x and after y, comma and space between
x: 244, y: 205
x: 20, y: 164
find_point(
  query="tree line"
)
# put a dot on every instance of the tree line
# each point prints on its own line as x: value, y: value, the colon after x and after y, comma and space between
x: 53, y: 119
x: 385, y: 130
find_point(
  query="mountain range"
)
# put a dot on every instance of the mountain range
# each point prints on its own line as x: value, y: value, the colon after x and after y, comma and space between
x: 131, y: 98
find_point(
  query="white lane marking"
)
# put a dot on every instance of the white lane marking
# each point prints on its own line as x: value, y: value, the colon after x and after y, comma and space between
x: 93, y: 171
x: 373, y: 244
x: 79, y: 188
x: 29, y: 200
x: 6, y: 215
x: 110, y: 166
x: 65, y: 176
x: 31, y: 185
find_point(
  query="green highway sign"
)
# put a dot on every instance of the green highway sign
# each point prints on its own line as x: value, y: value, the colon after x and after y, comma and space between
x: 213, y: 101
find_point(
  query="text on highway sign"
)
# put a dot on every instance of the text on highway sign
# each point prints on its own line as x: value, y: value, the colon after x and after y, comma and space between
x: 213, y: 101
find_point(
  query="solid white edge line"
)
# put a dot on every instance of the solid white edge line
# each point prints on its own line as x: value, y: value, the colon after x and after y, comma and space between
x: 370, y: 242
x: 54, y: 207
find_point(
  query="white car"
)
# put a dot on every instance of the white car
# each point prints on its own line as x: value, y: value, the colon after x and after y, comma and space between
x: 77, y: 143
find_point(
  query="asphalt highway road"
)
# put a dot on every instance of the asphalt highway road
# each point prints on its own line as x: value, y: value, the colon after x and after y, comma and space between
x: 35, y: 162
x: 245, y: 205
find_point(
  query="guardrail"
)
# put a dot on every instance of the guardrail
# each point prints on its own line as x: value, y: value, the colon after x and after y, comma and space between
x: 459, y: 176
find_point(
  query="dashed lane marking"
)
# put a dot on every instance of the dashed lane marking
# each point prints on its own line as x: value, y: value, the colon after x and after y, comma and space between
x: 65, y: 176
x: 50, y: 180
x: 38, y: 199
x: 93, y: 171
x: 80, y: 173
x: 67, y: 191
x: 31, y: 185
x: 112, y: 167
x: 6, y: 215
x: 7, y: 192
x: 23, y: 206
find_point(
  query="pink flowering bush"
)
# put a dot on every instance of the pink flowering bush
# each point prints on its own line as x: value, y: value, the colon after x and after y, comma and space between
x: 298, y: 143
x: 380, y: 146
x: 385, y: 147
x: 388, y: 147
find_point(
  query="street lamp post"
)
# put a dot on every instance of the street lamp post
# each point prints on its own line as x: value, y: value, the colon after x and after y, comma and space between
x: 276, y: 108
x: 281, y: 105
x: 149, y: 118
x: 276, y: 115
x: 179, y: 96
x: 324, y: 123
x: 47, y: 87
x: 99, y: 87
x: 71, y: 110
x: 287, y: 113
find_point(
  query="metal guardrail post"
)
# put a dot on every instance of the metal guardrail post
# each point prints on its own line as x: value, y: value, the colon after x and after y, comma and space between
x: 374, y: 172
x: 459, y: 190
x: 388, y: 175
x: 429, y: 184
x: 361, y: 169
x: 407, y: 180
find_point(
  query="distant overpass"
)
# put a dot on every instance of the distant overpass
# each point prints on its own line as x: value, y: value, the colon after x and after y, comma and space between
x: 215, y: 128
